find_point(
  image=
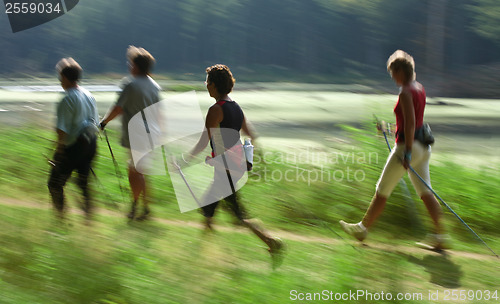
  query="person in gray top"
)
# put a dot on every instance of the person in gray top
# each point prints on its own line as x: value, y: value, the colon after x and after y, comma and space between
x: 139, y: 93
x: 76, y: 127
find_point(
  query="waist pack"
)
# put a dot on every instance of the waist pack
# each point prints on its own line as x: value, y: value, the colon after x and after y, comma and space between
x: 89, y: 132
x: 424, y: 135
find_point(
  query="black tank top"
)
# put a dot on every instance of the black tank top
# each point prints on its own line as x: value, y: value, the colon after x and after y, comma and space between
x: 233, y: 119
x: 233, y: 115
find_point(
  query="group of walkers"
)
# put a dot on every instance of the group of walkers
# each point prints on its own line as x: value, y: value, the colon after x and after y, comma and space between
x: 78, y: 124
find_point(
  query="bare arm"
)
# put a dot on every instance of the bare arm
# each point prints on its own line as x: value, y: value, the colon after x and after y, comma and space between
x: 248, y: 129
x: 112, y: 113
x: 213, y: 119
x: 409, y: 120
x: 61, y: 138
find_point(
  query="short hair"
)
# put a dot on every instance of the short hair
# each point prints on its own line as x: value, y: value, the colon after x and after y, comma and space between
x: 220, y: 75
x: 142, y: 59
x: 69, y: 68
x: 402, y: 61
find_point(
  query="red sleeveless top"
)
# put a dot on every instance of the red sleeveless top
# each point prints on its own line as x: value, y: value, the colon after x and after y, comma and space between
x: 418, y: 97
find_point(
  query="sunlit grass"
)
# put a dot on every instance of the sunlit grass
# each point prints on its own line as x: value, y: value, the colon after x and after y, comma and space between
x: 161, y: 261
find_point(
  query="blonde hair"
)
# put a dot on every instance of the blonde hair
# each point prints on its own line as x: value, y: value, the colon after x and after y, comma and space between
x: 402, y: 61
x: 141, y: 58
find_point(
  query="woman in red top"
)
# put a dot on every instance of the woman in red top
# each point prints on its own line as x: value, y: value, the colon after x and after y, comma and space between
x: 409, y: 112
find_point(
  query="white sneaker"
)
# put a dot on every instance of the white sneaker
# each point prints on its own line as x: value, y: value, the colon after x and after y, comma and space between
x: 356, y: 230
x: 436, y: 242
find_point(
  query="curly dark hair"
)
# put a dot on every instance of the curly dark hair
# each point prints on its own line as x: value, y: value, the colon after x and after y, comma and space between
x: 220, y: 75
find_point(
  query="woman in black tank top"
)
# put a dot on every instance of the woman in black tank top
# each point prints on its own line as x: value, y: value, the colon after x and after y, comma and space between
x: 227, y: 118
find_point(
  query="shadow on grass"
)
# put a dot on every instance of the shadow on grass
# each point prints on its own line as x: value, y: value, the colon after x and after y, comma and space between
x: 442, y: 270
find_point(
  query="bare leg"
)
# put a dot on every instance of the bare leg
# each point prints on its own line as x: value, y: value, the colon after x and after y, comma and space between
x: 276, y: 245
x: 258, y: 231
x: 437, y: 241
x: 138, y: 185
x: 376, y: 207
x: 145, y: 202
x: 434, y: 210
x: 145, y: 192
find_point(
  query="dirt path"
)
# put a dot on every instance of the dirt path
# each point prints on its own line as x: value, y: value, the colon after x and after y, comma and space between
x: 287, y: 235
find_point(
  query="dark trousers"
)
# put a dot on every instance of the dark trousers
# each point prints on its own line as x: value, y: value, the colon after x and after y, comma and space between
x: 75, y: 157
x: 232, y: 200
x: 233, y: 204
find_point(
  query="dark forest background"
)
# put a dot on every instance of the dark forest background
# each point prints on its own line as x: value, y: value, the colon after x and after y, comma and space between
x: 456, y: 43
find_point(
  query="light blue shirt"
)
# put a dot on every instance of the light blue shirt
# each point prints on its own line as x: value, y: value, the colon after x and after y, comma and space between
x: 76, y: 114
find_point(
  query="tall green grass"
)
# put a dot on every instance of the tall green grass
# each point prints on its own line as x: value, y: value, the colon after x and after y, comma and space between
x: 292, y: 202
x: 45, y: 261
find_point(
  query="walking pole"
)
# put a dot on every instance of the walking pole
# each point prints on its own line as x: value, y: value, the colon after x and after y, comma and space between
x: 326, y: 226
x: 50, y: 161
x: 115, y: 205
x: 318, y: 220
x: 404, y: 187
x: 117, y: 171
x: 449, y: 208
x: 185, y: 181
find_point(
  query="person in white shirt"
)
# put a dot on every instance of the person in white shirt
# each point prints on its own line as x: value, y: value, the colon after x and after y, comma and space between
x: 76, y: 127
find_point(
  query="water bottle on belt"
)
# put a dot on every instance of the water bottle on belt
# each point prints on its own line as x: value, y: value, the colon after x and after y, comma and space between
x: 248, y: 148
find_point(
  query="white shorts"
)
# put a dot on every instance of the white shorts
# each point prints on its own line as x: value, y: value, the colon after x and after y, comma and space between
x: 394, y: 170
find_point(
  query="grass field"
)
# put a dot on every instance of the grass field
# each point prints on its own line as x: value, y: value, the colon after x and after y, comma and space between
x: 171, y: 260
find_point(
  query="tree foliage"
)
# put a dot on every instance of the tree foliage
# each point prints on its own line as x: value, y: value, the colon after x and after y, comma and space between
x: 339, y: 38
x: 486, y: 19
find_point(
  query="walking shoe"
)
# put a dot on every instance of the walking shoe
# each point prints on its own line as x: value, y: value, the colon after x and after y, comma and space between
x: 436, y: 242
x: 131, y: 215
x: 356, y: 230
x: 209, y: 224
x: 60, y: 214
x: 145, y: 215
x: 277, y: 250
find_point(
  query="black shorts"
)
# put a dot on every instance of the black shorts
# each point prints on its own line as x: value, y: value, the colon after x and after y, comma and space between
x: 233, y: 204
x: 231, y: 200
